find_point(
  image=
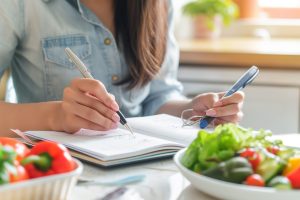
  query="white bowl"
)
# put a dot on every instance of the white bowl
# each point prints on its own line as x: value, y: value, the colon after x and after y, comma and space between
x: 54, y: 187
x: 232, y: 191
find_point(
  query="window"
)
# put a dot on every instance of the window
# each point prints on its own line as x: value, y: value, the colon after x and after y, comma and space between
x: 286, y: 9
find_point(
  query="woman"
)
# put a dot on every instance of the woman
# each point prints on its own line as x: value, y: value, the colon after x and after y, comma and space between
x: 128, y: 47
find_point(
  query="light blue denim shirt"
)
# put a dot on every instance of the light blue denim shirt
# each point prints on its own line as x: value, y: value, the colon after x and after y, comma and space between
x: 34, y: 34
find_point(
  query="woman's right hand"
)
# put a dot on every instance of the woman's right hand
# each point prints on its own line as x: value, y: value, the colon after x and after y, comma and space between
x: 87, y: 104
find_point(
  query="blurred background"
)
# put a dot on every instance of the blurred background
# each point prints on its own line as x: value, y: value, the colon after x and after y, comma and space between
x: 220, y: 39
x: 254, y: 18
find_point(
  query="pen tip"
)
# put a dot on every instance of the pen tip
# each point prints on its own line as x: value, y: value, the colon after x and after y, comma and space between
x: 128, y: 127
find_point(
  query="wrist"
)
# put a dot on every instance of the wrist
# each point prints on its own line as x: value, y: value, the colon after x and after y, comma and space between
x: 189, y: 104
x: 55, y: 117
x: 175, y: 107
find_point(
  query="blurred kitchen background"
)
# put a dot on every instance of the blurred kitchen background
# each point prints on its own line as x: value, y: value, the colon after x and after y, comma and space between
x: 220, y: 39
x: 215, y: 51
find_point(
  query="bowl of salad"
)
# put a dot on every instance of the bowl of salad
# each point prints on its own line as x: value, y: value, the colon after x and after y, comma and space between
x: 237, y: 163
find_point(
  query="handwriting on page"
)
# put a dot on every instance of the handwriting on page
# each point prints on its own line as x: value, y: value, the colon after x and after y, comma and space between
x: 87, y: 132
x: 115, y: 143
x: 116, y: 134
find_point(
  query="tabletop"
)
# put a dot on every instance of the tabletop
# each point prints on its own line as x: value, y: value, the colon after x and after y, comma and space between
x: 162, y: 182
x: 277, y: 53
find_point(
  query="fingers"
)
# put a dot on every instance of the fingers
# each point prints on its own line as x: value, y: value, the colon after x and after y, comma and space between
x: 221, y: 94
x: 87, y: 104
x: 227, y: 106
x: 91, y: 115
x: 203, y: 102
x: 97, y: 89
x: 91, y: 102
x: 237, y: 97
x: 80, y: 123
x: 229, y: 119
x: 227, y: 109
x: 231, y: 109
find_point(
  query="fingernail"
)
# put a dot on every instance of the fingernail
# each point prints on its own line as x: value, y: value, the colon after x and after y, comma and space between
x: 211, y: 112
x: 115, y: 117
x: 114, y: 106
x: 218, y: 103
x: 113, y: 96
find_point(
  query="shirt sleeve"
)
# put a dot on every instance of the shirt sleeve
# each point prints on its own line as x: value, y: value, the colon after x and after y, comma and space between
x: 11, y: 26
x: 165, y: 86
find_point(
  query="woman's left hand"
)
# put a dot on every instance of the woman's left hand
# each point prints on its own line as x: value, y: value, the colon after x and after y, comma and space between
x: 228, y: 109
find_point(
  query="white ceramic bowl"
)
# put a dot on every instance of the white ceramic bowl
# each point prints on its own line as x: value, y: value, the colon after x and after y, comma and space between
x: 54, y: 187
x: 232, y: 191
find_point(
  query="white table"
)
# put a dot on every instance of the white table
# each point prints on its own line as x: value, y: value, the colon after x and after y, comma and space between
x: 162, y: 182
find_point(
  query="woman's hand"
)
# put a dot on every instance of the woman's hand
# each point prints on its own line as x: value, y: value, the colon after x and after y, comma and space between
x: 225, y: 110
x: 87, y: 104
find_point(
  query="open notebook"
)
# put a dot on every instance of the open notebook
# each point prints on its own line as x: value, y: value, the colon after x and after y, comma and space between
x: 155, y: 137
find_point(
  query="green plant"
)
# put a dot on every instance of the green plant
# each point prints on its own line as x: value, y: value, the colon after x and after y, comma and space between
x: 226, y: 9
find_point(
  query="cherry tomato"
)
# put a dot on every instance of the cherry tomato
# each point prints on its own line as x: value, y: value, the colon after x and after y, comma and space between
x: 255, y: 180
x: 252, y: 156
x: 273, y: 149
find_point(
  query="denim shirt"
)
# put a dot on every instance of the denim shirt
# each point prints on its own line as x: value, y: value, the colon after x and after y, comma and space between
x: 34, y: 34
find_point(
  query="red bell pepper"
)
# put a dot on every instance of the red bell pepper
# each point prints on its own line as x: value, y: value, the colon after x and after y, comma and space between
x: 47, y: 158
x: 11, y: 152
x: 294, y: 178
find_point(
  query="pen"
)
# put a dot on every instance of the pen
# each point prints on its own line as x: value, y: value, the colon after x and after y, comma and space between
x: 84, y: 71
x: 242, y: 82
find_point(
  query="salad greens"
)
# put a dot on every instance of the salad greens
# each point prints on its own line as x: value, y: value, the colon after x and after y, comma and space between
x: 208, y: 149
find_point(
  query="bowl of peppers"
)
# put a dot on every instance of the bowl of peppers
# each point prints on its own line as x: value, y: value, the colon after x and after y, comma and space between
x: 46, y: 171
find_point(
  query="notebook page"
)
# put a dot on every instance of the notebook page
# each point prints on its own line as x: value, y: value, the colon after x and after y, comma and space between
x: 87, y: 132
x: 115, y: 144
x: 166, y: 127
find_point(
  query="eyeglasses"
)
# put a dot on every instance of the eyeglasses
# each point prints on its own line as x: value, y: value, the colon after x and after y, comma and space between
x: 188, y: 119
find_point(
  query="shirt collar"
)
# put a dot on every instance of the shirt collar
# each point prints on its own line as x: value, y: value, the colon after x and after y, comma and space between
x: 74, y: 3
x: 85, y: 13
x: 81, y: 9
